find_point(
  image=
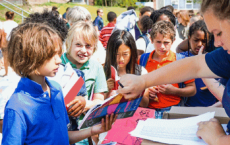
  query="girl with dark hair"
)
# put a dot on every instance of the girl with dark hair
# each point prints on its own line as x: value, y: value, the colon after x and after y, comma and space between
x: 121, y: 53
x: 198, y: 37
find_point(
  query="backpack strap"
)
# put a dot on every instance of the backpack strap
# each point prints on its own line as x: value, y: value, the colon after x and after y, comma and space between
x: 144, y: 59
x: 144, y: 36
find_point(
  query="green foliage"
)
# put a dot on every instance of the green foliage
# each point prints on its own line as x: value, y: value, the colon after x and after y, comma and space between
x: 197, y: 1
x: 17, y: 18
x: 62, y: 8
x: 127, y: 3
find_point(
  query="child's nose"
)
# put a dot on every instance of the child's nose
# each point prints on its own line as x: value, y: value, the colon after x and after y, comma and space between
x: 58, y: 59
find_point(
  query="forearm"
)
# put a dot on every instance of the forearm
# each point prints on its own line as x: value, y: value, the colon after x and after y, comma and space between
x: 182, y: 47
x: 145, y: 100
x: 222, y: 140
x: 185, y: 92
x: 1, y: 123
x: 215, y: 88
x: 179, y: 71
x: 76, y: 136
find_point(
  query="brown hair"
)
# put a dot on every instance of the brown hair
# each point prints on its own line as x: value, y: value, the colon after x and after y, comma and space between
x: 98, y: 10
x: 165, y: 28
x: 220, y: 8
x: 9, y: 15
x: 30, y: 46
x: 185, y: 17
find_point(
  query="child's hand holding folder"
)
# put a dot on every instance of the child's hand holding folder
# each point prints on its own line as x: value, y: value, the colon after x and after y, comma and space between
x: 76, y: 107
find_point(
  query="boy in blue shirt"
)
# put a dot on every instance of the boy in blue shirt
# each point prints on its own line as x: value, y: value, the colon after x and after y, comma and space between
x: 35, y: 113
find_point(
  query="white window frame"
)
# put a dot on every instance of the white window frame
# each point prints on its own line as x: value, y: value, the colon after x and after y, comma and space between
x: 186, y: 3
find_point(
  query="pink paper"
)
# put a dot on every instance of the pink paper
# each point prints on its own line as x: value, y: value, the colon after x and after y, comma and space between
x: 121, y: 128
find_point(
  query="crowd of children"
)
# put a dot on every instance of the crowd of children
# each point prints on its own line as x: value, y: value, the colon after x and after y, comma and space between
x: 148, y: 53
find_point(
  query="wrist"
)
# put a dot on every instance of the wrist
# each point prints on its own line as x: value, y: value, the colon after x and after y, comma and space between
x: 219, y: 140
x: 91, y: 132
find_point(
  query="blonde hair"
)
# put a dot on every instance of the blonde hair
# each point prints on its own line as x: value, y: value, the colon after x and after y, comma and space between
x: 78, y: 13
x: 84, y: 30
x: 220, y: 8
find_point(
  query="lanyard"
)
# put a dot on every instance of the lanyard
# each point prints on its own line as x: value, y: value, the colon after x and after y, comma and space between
x: 139, y: 29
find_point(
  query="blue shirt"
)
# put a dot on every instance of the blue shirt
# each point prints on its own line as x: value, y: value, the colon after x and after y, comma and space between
x: 31, y: 117
x: 64, y: 15
x: 219, y: 63
x: 202, y: 98
x: 138, y: 32
x: 98, y: 22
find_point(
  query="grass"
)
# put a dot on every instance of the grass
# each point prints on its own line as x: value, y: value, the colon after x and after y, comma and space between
x: 17, y: 18
x: 62, y: 9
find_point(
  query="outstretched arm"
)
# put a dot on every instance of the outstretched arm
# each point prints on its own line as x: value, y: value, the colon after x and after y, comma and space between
x: 178, y: 71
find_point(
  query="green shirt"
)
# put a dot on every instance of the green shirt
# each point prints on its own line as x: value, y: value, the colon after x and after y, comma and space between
x: 94, y: 75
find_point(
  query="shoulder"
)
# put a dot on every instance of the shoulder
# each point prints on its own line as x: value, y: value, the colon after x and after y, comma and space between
x: 94, y: 64
x: 18, y: 101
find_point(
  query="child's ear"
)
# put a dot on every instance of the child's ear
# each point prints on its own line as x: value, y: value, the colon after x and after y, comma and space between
x: 115, y: 21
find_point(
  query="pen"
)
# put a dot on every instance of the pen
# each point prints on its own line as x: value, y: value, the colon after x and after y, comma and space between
x: 120, y: 84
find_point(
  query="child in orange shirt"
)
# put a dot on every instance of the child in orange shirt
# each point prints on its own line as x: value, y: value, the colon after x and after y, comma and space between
x: 163, y: 97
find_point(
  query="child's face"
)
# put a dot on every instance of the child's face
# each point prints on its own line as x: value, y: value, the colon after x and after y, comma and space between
x: 162, y: 44
x: 123, y: 55
x: 196, y: 41
x: 163, y: 18
x: 50, y: 67
x: 80, y: 51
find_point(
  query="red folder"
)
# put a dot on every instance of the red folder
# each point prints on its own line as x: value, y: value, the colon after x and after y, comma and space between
x: 74, y: 91
x: 115, y: 77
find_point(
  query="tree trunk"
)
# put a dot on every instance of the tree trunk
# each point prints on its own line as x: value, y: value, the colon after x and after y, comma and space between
x: 111, y: 3
x: 106, y: 3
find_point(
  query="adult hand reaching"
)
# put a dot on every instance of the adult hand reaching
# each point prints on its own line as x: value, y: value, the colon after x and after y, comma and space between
x: 133, y: 86
x: 210, y: 131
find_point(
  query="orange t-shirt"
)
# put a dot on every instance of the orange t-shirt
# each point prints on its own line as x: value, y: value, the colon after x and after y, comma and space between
x: 164, y: 100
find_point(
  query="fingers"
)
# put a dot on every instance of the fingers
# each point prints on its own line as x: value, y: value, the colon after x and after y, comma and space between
x: 107, y: 123
x: 72, y: 102
x: 110, y: 80
x: 126, y: 91
x: 74, y: 105
x: 78, y: 113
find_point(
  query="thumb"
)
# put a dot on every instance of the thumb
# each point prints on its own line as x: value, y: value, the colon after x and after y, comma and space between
x: 201, y: 50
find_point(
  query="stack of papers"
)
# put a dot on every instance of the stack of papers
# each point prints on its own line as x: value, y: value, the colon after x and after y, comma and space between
x: 173, y: 131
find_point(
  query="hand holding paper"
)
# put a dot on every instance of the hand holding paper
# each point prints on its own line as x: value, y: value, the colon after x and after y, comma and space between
x: 77, y: 106
x: 210, y: 131
x: 106, y: 124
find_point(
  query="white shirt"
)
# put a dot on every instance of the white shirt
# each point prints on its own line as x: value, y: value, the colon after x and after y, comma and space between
x: 100, y: 53
x: 141, y: 44
x: 8, y: 26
